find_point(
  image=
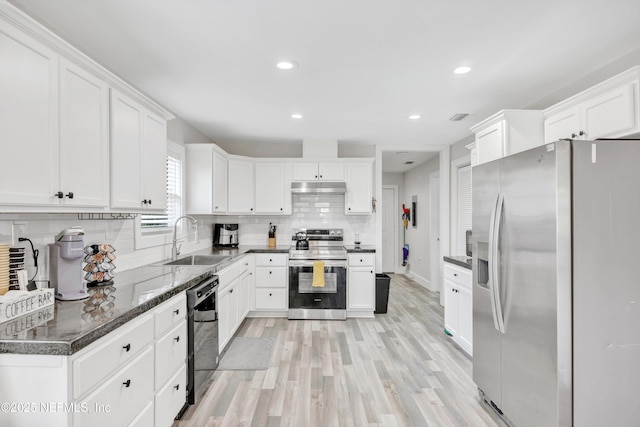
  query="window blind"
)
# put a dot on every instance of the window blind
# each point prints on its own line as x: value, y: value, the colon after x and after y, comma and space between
x: 160, y: 221
x: 464, y: 207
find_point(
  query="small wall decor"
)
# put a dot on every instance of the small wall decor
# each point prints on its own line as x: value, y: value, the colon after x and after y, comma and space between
x: 414, y: 208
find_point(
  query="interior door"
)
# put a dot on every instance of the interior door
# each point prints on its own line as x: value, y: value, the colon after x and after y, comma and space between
x: 389, y: 226
x: 435, y: 261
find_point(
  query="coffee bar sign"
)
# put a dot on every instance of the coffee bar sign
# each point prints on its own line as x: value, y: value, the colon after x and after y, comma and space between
x: 18, y: 303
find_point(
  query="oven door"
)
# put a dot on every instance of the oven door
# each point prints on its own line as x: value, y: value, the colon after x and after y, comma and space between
x: 333, y: 295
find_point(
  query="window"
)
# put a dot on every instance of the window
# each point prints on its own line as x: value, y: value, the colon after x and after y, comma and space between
x: 151, y: 223
x: 155, y: 229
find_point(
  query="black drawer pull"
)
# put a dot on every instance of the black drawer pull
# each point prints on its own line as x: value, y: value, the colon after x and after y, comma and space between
x: 177, y: 386
x: 177, y: 339
x: 177, y: 311
x: 127, y: 347
x: 230, y: 291
x: 270, y: 294
x: 455, y: 274
x: 70, y: 195
x: 59, y: 195
x: 127, y: 383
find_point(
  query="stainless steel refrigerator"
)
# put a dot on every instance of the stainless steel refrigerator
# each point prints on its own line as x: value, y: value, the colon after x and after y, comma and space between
x: 556, y: 285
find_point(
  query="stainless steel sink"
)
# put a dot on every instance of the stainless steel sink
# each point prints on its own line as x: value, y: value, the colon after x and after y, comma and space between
x: 199, y: 260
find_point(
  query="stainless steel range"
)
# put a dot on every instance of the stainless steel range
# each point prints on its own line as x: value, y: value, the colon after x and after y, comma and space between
x: 318, y: 275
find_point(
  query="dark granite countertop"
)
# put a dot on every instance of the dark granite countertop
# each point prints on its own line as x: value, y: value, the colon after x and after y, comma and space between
x: 360, y: 249
x: 68, y: 326
x: 462, y: 261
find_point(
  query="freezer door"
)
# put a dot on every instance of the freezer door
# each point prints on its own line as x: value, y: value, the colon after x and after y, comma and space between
x: 486, y: 338
x: 527, y: 265
x: 606, y: 291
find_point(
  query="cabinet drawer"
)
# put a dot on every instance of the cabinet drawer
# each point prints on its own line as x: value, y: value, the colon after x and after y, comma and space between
x: 100, y: 361
x: 457, y: 275
x: 279, y: 260
x: 229, y: 274
x: 123, y: 396
x: 368, y: 260
x: 144, y: 418
x: 171, y: 398
x: 271, y: 299
x: 171, y: 352
x: 169, y: 313
x: 271, y: 277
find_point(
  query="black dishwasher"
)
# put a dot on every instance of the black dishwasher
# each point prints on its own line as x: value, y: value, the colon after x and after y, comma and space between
x: 202, y: 332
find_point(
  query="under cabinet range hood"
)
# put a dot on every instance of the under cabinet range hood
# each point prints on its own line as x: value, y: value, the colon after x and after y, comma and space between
x: 318, y: 187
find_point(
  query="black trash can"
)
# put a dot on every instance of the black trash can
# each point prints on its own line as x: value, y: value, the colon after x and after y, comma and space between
x: 382, y: 292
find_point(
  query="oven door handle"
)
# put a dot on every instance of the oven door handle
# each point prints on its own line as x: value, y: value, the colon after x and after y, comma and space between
x: 327, y: 263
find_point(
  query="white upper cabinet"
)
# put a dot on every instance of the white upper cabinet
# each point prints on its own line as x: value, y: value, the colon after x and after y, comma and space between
x: 54, y: 117
x: 206, y: 175
x: 241, y: 186
x: 272, y: 188
x: 508, y: 132
x: 607, y: 110
x: 359, y: 195
x: 325, y: 171
x: 138, y: 156
x: 84, y: 137
x: 28, y: 120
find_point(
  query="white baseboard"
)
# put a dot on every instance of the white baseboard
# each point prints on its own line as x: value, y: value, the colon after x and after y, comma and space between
x: 421, y: 280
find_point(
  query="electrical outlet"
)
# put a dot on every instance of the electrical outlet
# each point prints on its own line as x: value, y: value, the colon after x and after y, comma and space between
x: 18, y: 229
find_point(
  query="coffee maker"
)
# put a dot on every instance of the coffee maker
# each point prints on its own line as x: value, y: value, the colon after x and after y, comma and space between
x: 65, y: 260
x: 225, y: 235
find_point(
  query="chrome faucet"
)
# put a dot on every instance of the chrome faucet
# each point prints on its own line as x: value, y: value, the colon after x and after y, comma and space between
x: 175, y: 249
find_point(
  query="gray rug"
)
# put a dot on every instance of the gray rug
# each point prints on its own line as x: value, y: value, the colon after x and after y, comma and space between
x: 247, y: 354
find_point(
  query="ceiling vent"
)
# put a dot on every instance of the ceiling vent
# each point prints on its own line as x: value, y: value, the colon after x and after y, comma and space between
x: 458, y: 116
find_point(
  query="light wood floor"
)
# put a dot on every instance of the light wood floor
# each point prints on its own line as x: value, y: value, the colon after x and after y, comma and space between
x: 398, y: 369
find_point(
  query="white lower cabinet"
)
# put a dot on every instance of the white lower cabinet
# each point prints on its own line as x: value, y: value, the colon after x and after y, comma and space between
x: 234, y: 300
x: 133, y: 376
x: 271, y: 281
x: 170, y: 398
x: 361, y: 295
x: 458, y: 305
x: 117, y: 401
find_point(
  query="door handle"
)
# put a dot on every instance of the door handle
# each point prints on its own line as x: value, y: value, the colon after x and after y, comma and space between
x: 494, y: 264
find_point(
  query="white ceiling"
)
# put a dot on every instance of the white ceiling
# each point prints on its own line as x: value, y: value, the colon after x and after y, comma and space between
x: 396, y: 161
x: 364, y: 65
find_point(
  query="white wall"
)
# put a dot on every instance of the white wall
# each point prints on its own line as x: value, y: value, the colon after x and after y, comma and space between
x: 416, y: 183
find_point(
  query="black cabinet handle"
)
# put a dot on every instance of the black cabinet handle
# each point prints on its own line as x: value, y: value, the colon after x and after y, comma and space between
x: 230, y: 291
x: 270, y: 272
x: 270, y: 260
x: 573, y: 135
x: 127, y: 347
x: 270, y: 294
x: 145, y: 201
x: 177, y: 339
x: 320, y: 176
x: 69, y: 195
x: 127, y: 383
x: 281, y: 209
x: 581, y: 133
x: 455, y: 274
x: 59, y: 195
x: 349, y: 208
x: 251, y: 209
x: 176, y: 311
x: 177, y: 386
x: 316, y: 176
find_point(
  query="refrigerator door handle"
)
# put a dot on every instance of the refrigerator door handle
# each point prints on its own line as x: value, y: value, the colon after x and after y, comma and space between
x: 491, y: 262
x: 496, y: 263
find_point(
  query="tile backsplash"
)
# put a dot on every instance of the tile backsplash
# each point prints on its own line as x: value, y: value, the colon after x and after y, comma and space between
x: 309, y: 211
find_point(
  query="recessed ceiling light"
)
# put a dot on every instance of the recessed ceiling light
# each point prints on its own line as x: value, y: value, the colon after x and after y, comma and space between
x: 402, y: 153
x: 286, y: 65
x: 414, y: 116
x: 296, y: 116
x: 462, y: 70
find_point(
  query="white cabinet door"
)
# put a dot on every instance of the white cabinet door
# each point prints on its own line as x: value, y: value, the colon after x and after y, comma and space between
x: 490, y: 143
x: 241, y: 182
x: 126, y: 134
x: 28, y: 120
x: 331, y: 171
x: 220, y: 185
x: 450, y: 308
x: 244, y: 301
x: 270, y: 188
x: 228, y: 314
x: 359, y: 188
x: 305, y: 172
x: 465, y: 319
x: 562, y: 125
x: 611, y: 114
x: 361, y: 288
x: 84, y: 132
x: 154, y: 161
